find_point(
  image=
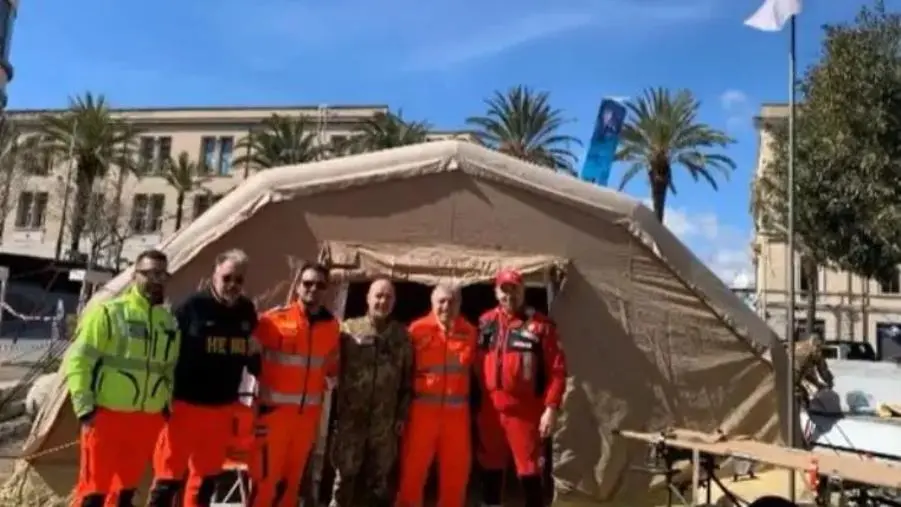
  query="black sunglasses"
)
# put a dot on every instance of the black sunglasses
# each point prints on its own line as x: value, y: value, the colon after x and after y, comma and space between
x: 235, y: 279
x: 153, y: 274
x: 309, y: 284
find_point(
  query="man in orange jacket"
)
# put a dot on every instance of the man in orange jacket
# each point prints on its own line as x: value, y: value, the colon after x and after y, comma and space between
x: 299, y: 345
x: 444, y: 345
x: 522, y: 374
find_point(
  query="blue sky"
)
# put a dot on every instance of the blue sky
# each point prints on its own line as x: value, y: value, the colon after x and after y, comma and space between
x: 436, y: 60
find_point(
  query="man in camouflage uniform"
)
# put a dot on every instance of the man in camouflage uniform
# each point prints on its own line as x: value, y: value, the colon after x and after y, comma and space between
x: 810, y: 366
x: 375, y: 387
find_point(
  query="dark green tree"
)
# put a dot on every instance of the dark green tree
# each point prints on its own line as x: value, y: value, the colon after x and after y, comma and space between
x: 662, y: 133
x: 277, y: 141
x: 847, y: 155
x: 382, y: 131
x: 522, y: 123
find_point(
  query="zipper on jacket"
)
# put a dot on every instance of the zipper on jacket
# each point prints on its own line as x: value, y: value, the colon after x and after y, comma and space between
x: 444, y: 364
x: 500, y: 351
x: 306, y: 373
x: 149, y: 348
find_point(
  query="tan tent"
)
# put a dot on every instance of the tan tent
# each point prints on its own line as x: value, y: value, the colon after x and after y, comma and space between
x: 653, y: 338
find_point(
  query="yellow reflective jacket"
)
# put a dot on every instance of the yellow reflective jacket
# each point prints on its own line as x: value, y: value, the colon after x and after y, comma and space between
x: 123, y: 356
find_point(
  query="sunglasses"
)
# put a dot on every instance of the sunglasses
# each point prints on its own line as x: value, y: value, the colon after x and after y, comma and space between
x: 309, y: 284
x: 235, y: 279
x: 153, y: 274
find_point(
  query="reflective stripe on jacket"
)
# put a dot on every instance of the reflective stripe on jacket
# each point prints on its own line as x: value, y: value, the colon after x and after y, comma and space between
x: 123, y: 356
x: 297, y: 354
x: 443, y: 361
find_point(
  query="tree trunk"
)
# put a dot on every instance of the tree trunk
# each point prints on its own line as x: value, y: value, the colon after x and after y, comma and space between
x: 658, y: 198
x: 83, y: 186
x: 810, y: 271
x: 179, y: 209
x: 118, y: 241
x: 4, y: 202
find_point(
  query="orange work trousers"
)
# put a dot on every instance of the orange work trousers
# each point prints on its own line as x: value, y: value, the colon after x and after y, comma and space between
x: 195, y: 442
x: 286, y: 435
x: 435, y: 430
x: 115, y: 450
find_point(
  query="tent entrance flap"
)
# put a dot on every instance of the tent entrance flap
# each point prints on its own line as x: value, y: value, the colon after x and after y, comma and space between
x: 434, y: 264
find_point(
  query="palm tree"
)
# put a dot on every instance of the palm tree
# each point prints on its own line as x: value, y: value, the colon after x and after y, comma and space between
x: 522, y: 123
x: 98, y: 141
x: 185, y: 176
x: 383, y: 131
x: 278, y: 141
x: 663, y: 131
x: 10, y: 165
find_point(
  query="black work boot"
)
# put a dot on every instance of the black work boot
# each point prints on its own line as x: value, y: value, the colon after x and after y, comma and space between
x: 164, y: 493
x: 492, y: 484
x: 93, y: 500
x: 533, y: 490
x: 126, y: 498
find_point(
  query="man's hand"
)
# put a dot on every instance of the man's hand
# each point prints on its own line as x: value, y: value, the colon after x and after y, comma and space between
x: 399, y: 428
x: 548, y: 422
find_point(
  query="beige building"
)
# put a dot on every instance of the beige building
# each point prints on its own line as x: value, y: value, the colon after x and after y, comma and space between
x: 34, y: 211
x: 848, y: 306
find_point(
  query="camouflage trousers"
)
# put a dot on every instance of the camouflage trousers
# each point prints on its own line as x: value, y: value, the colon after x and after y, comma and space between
x: 364, y: 468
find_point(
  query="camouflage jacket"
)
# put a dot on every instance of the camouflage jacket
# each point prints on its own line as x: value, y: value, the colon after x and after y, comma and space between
x: 375, y: 383
x: 810, y: 365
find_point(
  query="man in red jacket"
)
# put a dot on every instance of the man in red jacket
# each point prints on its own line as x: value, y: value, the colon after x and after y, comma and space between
x: 522, y: 372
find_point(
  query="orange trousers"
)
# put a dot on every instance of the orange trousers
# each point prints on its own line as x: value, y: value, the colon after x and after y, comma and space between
x: 286, y: 436
x: 435, y: 430
x: 239, y: 448
x: 195, y: 442
x: 115, y: 450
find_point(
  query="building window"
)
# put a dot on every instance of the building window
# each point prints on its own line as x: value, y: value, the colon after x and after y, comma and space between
x: 819, y: 327
x: 216, y: 154
x: 892, y: 284
x: 147, y: 213
x: 165, y: 149
x: 208, y: 153
x: 37, y: 159
x: 226, y: 147
x: 203, y: 202
x: 31, y: 210
x: 806, y: 282
x: 145, y: 152
x: 153, y: 151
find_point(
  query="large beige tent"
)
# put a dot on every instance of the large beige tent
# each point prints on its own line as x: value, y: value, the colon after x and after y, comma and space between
x: 653, y: 338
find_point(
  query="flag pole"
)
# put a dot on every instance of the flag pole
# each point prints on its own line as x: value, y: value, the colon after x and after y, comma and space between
x: 790, y: 313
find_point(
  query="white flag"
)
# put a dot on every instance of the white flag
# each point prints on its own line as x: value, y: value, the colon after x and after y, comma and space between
x: 773, y: 14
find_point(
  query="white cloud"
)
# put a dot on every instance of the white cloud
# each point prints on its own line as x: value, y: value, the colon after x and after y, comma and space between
x: 725, y: 249
x: 427, y: 35
x: 617, y: 18
x: 738, y: 109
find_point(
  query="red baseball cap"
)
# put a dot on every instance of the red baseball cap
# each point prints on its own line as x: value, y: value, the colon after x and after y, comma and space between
x: 508, y: 277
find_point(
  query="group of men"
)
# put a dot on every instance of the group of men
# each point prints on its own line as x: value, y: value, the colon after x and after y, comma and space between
x: 150, y: 386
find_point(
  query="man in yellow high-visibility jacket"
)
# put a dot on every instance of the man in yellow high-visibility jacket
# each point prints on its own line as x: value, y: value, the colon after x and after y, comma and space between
x: 119, y: 372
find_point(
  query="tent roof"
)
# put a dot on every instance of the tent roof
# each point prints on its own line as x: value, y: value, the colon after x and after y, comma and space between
x: 289, y: 182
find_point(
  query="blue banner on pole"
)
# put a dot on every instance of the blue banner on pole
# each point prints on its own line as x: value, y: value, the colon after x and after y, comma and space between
x: 604, y: 140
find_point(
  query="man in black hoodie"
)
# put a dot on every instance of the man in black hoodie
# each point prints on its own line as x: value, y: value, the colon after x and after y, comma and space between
x: 216, y: 325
